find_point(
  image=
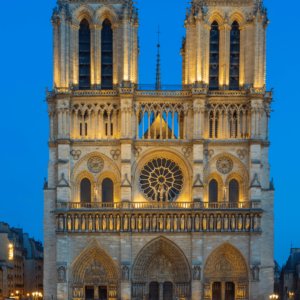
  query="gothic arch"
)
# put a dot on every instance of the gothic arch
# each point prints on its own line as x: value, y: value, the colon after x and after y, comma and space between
x: 81, y: 12
x: 237, y: 14
x: 98, y: 257
x: 107, y: 174
x: 226, y: 262
x: 215, y: 14
x: 215, y: 176
x: 84, y: 174
x: 104, y: 157
x: 235, y: 175
x: 161, y: 247
x: 106, y: 12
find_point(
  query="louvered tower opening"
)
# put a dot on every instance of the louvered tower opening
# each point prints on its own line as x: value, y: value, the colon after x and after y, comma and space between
x: 214, y: 57
x: 234, y: 57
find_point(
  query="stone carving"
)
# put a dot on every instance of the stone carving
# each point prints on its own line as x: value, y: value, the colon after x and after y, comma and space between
x: 187, y: 151
x: 76, y: 154
x: 208, y: 153
x: 175, y: 223
x: 241, y: 153
x: 115, y: 154
x: 112, y: 292
x: 61, y: 274
x: 118, y: 223
x: 111, y: 223
x: 226, y: 223
x: 61, y: 223
x: 224, y: 165
x: 97, y: 223
x: 207, y: 291
x: 240, y: 223
x: 139, y: 291
x: 83, y: 223
x: 132, y: 223
x: 136, y: 151
x: 95, y: 164
x: 232, y: 223
x: 196, y: 273
x: 197, y: 223
x: 168, y: 227
x: 161, y: 223
x: 76, y: 223
x: 140, y: 223
x: 211, y: 223
x: 256, y: 225
x: 95, y: 273
x: 125, y: 274
x: 69, y: 223
x: 78, y: 292
x: 204, y: 223
x: 223, y: 265
x: 247, y: 223
x: 95, y: 193
x: 189, y: 223
x: 104, y: 223
x: 163, y: 187
x: 182, y: 291
x: 255, y: 273
x: 241, y: 291
x: 90, y: 223
x: 125, y: 223
x: 147, y: 223
x: 154, y: 223
x: 182, y: 223
x: 219, y: 223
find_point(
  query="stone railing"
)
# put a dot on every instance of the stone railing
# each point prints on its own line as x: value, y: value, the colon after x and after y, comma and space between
x: 158, y: 206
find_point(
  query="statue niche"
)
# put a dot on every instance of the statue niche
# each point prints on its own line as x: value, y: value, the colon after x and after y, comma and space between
x: 95, y: 274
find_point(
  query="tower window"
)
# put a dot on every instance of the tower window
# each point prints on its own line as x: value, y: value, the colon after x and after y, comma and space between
x: 233, y: 191
x: 213, y: 191
x: 214, y: 57
x: 234, y: 56
x: 233, y: 125
x: 84, y: 56
x: 107, y: 190
x: 106, y: 56
x: 85, y: 191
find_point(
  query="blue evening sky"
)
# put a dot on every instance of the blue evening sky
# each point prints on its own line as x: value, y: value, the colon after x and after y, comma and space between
x: 27, y: 69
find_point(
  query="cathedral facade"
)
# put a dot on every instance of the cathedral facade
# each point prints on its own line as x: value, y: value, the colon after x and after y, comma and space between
x: 158, y: 193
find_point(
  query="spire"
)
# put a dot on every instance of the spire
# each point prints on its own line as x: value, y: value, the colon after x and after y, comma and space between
x: 158, y: 79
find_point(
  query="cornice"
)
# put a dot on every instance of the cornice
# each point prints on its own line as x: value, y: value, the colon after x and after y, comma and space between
x: 227, y: 143
x: 126, y: 141
x: 95, y: 143
x: 255, y: 142
x: 198, y: 142
x: 162, y: 143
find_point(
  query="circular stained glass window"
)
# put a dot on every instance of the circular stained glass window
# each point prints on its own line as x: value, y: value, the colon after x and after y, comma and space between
x: 161, y: 180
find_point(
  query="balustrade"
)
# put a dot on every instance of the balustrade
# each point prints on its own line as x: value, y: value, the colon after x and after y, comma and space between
x: 159, y: 222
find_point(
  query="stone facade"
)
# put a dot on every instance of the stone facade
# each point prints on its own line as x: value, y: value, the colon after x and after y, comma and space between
x: 160, y: 194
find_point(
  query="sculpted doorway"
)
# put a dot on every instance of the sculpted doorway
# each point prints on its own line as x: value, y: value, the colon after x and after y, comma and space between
x: 161, y: 266
x: 226, y: 274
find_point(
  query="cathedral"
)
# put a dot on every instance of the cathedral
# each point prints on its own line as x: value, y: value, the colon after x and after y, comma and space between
x: 158, y: 192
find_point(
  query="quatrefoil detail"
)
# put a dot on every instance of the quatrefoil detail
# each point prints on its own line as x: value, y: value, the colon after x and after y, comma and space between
x: 76, y: 154
x: 187, y: 151
x: 115, y: 154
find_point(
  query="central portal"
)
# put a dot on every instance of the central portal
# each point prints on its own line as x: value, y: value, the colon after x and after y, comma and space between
x: 154, y: 291
x: 168, y: 291
x: 102, y: 292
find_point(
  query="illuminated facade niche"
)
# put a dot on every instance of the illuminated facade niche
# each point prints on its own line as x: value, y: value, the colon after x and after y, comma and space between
x: 145, y: 186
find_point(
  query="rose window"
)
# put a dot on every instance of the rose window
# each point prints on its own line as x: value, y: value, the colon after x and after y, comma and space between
x: 95, y: 164
x: 161, y: 179
x: 224, y: 165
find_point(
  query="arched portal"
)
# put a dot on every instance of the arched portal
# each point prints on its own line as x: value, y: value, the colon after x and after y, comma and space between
x: 94, y: 275
x: 226, y: 274
x: 161, y: 263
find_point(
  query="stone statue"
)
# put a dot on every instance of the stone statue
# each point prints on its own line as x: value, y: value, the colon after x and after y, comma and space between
x: 61, y: 223
x: 118, y: 223
x: 255, y: 223
x: 147, y: 223
x: 154, y: 223
x: 240, y: 223
x: 69, y: 223
x: 125, y: 274
x: 140, y: 223
x: 225, y: 223
x: 97, y: 223
x: 161, y: 191
x: 83, y: 223
x: 189, y: 223
x: 255, y: 273
x: 95, y: 192
x: 247, y: 224
x: 90, y: 223
x: 167, y: 194
x: 61, y: 274
x: 111, y: 223
x: 182, y: 223
x: 211, y: 223
x: 175, y: 223
x: 104, y: 223
x: 197, y: 223
x: 161, y: 223
x: 219, y: 223
x: 196, y: 274
x: 232, y: 223
x: 76, y: 223
x: 125, y: 223
x: 132, y: 223
x: 204, y: 223
x: 168, y: 223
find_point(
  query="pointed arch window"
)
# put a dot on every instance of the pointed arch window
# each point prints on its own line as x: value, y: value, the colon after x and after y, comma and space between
x: 85, y: 191
x: 214, y: 57
x: 84, y: 56
x: 106, y: 56
x: 234, y: 72
x: 107, y: 190
x: 213, y: 124
x: 233, y: 191
x: 233, y: 123
x: 213, y: 191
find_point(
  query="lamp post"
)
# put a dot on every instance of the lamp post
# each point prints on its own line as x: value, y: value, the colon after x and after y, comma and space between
x: 273, y: 296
